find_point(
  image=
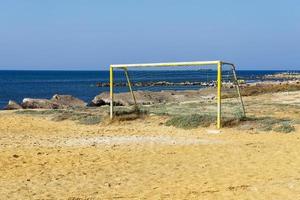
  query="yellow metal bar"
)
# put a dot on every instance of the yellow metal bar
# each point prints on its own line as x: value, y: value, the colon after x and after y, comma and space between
x: 129, y: 85
x: 168, y: 64
x: 111, y: 86
x: 238, y: 90
x: 219, y: 95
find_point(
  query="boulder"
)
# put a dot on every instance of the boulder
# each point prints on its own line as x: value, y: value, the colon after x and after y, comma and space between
x: 98, y: 101
x: 142, y: 97
x: 29, y: 103
x: 12, y: 105
x: 56, y: 102
x: 104, y: 99
x: 67, y: 101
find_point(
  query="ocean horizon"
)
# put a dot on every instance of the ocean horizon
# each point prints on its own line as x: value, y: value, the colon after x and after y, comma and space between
x: 19, y: 84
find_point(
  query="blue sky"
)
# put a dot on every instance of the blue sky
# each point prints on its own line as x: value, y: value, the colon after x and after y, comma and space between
x: 91, y: 34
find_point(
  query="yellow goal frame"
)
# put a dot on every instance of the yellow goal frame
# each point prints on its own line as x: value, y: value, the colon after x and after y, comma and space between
x: 218, y: 63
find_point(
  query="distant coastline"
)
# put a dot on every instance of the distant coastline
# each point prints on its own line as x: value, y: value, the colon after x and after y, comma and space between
x: 19, y: 84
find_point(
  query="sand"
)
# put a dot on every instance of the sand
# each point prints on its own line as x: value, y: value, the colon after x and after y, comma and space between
x: 143, y: 159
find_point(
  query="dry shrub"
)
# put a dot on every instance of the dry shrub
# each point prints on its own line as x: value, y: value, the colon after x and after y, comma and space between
x: 284, y: 127
x: 191, y: 121
x: 261, y: 89
x: 127, y: 115
x: 269, y: 124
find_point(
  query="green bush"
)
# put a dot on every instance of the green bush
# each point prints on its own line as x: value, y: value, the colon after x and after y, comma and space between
x: 39, y: 112
x: 191, y: 121
x: 129, y: 114
x: 135, y: 110
x: 90, y: 120
x: 284, y: 127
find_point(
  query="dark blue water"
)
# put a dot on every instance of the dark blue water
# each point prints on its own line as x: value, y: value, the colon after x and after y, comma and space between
x: 16, y: 85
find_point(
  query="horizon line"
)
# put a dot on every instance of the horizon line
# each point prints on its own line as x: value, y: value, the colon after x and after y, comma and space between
x: 134, y: 69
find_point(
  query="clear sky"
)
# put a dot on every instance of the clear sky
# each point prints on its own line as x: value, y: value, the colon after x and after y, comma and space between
x: 91, y: 34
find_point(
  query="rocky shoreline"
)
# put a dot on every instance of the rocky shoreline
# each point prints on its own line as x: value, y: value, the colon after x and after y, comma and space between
x: 150, y: 97
x: 56, y: 102
x: 161, y: 83
x: 285, y: 75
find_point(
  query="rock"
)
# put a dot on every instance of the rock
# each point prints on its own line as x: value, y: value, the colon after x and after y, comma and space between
x: 67, y: 101
x: 142, y: 97
x: 157, y: 83
x: 29, y: 103
x: 56, y: 102
x: 104, y: 99
x: 97, y: 101
x: 12, y: 105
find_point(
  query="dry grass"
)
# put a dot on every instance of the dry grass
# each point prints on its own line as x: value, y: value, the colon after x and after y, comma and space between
x: 191, y: 121
x: 80, y: 116
x: 284, y: 127
x: 264, y: 124
x: 261, y: 89
x: 129, y: 114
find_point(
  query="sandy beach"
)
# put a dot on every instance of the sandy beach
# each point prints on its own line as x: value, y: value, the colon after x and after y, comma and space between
x: 144, y: 159
x: 149, y: 100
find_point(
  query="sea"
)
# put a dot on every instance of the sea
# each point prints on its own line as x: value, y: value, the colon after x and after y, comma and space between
x: 17, y: 85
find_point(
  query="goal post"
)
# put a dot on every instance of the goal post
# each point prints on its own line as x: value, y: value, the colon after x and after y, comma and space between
x: 217, y: 64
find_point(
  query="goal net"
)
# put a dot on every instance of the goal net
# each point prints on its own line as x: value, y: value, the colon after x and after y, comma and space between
x: 206, y: 88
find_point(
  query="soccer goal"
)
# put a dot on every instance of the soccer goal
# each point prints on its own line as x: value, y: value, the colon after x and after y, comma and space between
x: 177, y: 88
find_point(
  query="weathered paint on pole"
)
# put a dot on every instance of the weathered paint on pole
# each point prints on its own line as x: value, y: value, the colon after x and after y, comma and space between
x: 111, y: 86
x: 219, y: 95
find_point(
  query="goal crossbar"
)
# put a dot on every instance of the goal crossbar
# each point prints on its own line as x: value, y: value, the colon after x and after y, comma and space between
x: 169, y: 64
x: 217, y: 63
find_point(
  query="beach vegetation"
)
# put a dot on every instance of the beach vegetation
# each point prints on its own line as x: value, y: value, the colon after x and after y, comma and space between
x: 284, y: 127
x: 266, y: 124
x: 79, y: 116
x: 40, y: 112
x: 191, y: 121
x: 90, y: 120
x: 124, y: 114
